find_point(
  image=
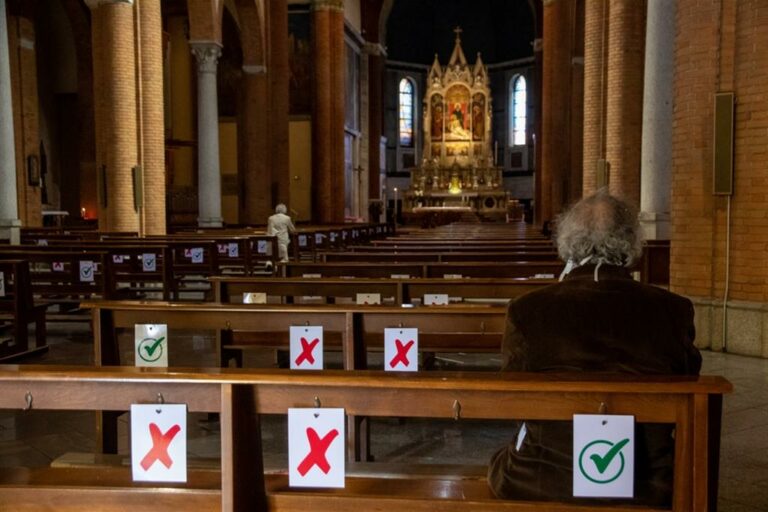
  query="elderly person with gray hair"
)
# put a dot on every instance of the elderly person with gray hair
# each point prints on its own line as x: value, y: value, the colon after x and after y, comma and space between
x: 598, y: 320
x: 280, y: 225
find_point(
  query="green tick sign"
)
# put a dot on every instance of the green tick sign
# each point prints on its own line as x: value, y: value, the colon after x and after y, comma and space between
x: 151, y: 341
x: 603, y: 456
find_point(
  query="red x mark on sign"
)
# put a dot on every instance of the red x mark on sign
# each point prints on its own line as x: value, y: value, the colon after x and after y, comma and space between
x: 317, y: 448
x: 306, y: 351
x: 402, y: 353
x: 160, y: 444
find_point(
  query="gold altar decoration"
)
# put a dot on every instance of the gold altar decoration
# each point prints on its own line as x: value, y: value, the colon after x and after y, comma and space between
x: 457, y: 166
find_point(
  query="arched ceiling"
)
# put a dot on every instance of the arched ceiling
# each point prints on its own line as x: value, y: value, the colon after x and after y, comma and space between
x: 502, y: 30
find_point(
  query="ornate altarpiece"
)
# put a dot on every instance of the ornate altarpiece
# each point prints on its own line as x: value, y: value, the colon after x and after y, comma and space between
x: 457, y: 168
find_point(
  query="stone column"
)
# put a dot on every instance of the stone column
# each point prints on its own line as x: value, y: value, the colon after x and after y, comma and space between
x: 9, y: 211
x: 624, y: 110
x: 656, y: 149
x: 209, y: 174
x: 595, y: 33
x: 114, y: 62
x: 555, y: 107
x: 153, y: 117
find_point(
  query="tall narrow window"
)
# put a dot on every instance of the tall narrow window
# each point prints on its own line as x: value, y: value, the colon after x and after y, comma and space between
x: 518, y: 110
x: 406, y: 112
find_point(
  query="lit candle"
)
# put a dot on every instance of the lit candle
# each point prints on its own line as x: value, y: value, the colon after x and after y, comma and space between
x: 82, y: 212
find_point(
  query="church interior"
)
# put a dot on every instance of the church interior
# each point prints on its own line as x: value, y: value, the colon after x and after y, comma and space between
x: 424, y: 151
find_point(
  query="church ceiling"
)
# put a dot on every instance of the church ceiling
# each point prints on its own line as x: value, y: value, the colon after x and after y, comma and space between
x: 502, y: 30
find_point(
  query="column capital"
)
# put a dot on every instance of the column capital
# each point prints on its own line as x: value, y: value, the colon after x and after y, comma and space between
x: 95, y: 4
x: 207, y: 54
x: 328, y: 5
x: 376, y: 49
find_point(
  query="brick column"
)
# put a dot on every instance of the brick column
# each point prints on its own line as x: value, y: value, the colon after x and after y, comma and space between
x: 595, y: 65
x: 656, y: 149
x: 279, y: 75
x: 338, y: 107
x: 153, y: 123
x: 624, y: 110
x: 114, y: 62
x: 555, y: 107
x: 322, y: 161
x: 209, y: 182
x: 9, y: 214
x: 256, y: 169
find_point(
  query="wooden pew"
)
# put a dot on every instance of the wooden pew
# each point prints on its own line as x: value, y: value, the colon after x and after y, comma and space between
x: 17, y: 311
x: 693, y: 406
x: 516, y: 269
x: 231, y: 289
x: 436, y: 256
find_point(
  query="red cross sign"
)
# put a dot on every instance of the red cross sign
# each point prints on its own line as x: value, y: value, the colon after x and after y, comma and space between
x: 402, y: 353
x: 160, y: 444
x: 306, y: 351
x: 306, y: 354
x: 317, y: 448
x: 401, y: 348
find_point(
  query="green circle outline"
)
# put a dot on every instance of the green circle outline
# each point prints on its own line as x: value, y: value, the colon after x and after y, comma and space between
x: 583, y: 472
x: 159, y: 353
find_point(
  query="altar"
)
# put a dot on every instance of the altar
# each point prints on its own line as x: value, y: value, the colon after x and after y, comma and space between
x: 458, y: 169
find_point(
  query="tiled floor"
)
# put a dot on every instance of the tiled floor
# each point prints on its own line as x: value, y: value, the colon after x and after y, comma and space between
x: 37, y: 438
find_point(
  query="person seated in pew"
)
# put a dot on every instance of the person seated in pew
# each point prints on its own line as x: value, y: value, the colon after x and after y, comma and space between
x: 597, y: 320
x: 281, y: 226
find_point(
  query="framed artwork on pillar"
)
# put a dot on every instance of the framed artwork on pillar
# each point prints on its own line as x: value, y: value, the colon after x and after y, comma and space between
x: 33, y: 170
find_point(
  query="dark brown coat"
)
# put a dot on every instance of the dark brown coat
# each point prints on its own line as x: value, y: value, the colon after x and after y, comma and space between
x: 614, y: 325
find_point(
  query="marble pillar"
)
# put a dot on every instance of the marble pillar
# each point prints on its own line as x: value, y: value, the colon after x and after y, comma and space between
x: 9, y: 210
x: 209, y: 175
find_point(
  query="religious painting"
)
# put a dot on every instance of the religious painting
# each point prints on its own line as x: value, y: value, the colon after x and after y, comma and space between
x: 435, y: 151
x: 300, y: 62
x: 456, y: 150
x: 457, y: 120
x: 436, y: 109
x: 477, y: 150
x: 478, y: 116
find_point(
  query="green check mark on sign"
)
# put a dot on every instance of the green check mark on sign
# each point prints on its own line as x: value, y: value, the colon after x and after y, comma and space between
x: 602, y: 462
x: 151, y: 346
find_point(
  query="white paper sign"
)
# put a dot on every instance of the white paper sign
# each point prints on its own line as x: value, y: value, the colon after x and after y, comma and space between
x: 544, y: 276
x: 435, y: 299
x: 306, y: 347
x: 302, y: 240
x: 452, y: 276
x: 316, y: 448
x: 400, y: 276
x: 333, y: 236
x: 57, y: 266
x: 222, y: 248
x: 2, y: 284
x: 261, y: 247
x: 42, y: 242
x: 401, y: 349
x: 318, y: 238
x: 87, y: 269
x: 159, y: 442
x: 313, y: 276
x: 603, y: 456
x: 151, y: 345
x: 196, y: 254
x: 187, y: 253
x: 233, y: 250
x: 254, y: 298
x: 149, y: 262
x: 118, y: 258
x: 364, y: 299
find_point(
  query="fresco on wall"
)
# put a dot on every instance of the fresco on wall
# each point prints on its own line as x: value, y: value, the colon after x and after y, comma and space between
x: 478, y: 116
x: 457, y: 113
x: 299, y: 60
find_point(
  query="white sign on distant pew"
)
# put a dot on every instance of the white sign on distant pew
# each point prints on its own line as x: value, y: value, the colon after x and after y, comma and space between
x: 159, y: 442
x: 400, y: 276
x: 196, y: 254
x: 118, y: 258
x: 452, y: 276
x: 318, y: 238
x: 316, y: 447
x: 435, y: 299
x: 151, y: 345
x: 254, y: 298
x: 233, y: 250
x: 57, y: 266
x: 149, y: 262
x: 87, y: 269
x: 2, y: 284
x: 401, y: 349
x: 603, y: 456
x: 365, y: 299
x: 261, y: 247
x: 306, y: 347
x: 302, y: 240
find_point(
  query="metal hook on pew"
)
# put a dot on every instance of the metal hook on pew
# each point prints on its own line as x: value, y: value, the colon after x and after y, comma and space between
x: 317, y: 402
x: 28, y: 400
x: 456, y: 410
x: 603, y: 409
x: 160, y: 401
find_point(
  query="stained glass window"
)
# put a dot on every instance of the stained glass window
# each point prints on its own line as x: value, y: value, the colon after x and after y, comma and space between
x: 406, y: 112
x: 518, y: 110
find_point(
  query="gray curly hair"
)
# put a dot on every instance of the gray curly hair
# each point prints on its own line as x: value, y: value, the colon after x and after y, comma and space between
x: 280, y: 208
x: 600, y: 228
